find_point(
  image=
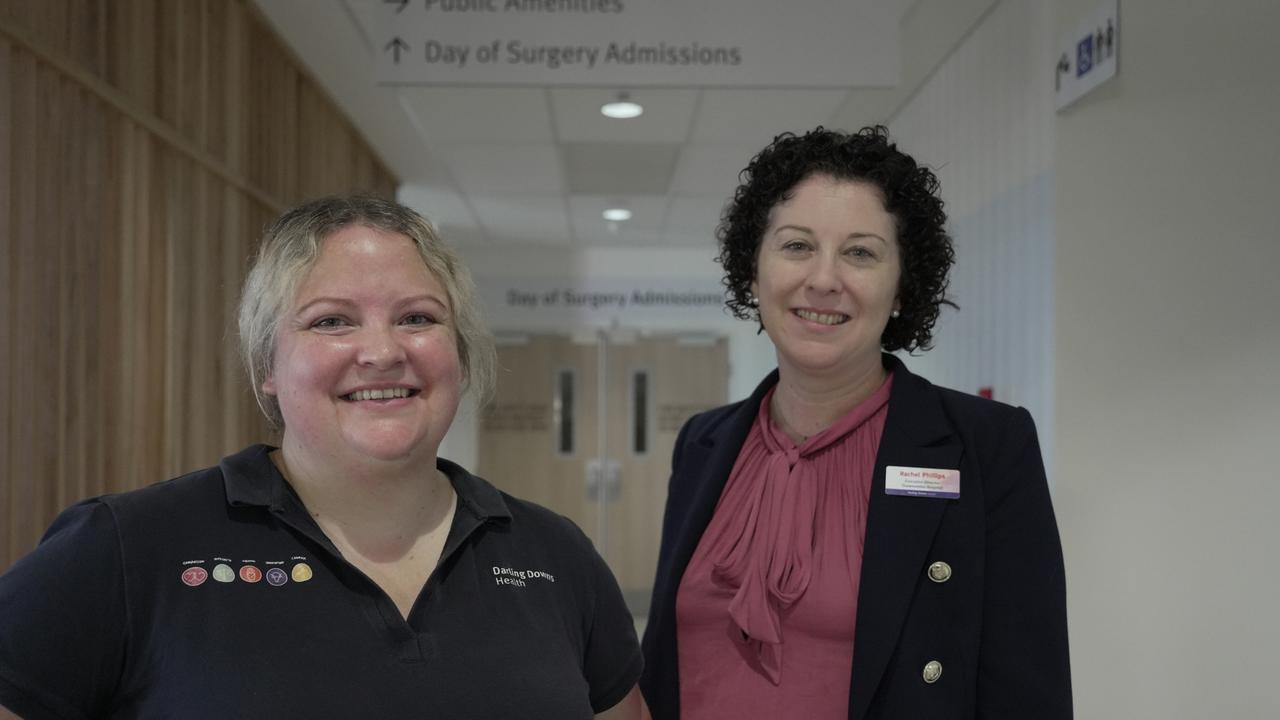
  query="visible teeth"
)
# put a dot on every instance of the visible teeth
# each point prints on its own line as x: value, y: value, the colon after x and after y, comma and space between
x: 824, y: 318
x: 387, y: 394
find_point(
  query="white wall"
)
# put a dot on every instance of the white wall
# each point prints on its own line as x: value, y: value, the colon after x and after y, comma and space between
x: 984, y: 123
x: 1116, y: 274
x: 1168, y: 364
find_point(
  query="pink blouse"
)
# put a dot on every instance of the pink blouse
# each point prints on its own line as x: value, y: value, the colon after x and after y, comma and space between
x: 765, y: 611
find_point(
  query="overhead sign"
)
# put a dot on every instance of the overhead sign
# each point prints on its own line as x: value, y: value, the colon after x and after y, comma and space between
x: 602, y: 301
x: 1087, y: 57
x: 629, y: 43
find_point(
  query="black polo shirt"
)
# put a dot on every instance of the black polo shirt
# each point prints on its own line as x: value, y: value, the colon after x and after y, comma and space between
x: 216, y: 595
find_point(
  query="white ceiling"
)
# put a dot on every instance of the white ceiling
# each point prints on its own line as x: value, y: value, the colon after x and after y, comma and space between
x: 534, y: 167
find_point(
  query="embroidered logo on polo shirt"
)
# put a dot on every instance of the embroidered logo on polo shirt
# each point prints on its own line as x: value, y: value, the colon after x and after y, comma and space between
x: 301, y: 572
x: 520, y: 578
x: 278, y: 573
x: 194, y: 576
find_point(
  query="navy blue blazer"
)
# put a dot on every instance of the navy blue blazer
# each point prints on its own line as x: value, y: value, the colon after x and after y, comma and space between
x: 997, y: 625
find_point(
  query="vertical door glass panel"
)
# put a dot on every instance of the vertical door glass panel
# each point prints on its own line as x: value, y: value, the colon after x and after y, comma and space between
x: 640, y: 412
x: 564, y: 416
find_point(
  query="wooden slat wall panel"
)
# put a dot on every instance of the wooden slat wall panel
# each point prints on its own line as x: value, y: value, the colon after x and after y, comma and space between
x: 273, y: 146
x: 65, y: 108
x: 237, y: 102
x: 144, y: 146
x: 225, y: 77
x: 29, y: 409
x: 85, y: 25
x: 321, y: 165
x: 107, y: 469
x: 170, y: 39
x: 194, y: 63
x: 133, y: 34
x: 177, y: 300
x: 7, y: 294
x: 90, y: 266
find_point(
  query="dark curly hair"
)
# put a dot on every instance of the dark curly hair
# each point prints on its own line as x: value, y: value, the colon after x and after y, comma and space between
x: 910, y: 196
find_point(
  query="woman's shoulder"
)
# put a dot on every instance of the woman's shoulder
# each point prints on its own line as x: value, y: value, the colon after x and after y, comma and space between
x: 965, y: 410
x: 528, y: 521
x: 990, y: 429
x: 195, y: 499
x: 709, y: 420
x: 545, y: 524
x: 979, y: 409
x: 195, y: 487
x: 96, y: 530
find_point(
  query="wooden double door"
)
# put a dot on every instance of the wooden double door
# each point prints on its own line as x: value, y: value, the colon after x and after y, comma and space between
x: 585, y: 425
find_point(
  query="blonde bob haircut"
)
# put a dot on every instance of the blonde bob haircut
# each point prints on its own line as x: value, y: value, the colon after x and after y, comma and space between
x: 291, y: 246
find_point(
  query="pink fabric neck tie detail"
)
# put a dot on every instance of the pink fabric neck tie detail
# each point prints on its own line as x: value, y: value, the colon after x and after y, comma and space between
x: 769, y: 555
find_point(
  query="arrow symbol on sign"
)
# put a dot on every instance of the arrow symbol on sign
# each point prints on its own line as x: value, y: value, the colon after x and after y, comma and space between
x: 396, y: 46
x: 402, y: 3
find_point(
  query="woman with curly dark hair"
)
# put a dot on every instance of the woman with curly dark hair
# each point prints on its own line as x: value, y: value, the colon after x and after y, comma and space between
x: 851, y: 540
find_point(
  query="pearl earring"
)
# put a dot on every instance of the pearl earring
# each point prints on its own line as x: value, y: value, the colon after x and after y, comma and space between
x: 895, y: 314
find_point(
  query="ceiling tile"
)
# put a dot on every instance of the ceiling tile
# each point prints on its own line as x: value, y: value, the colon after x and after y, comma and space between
x: 447, y: 212
x: 488, y: 115
x: 619, y: 169
x: 616, y: 235
x: 756, y: 116
x: 438, y: 206
x: 523, y: 219
x: 459, y: 235
x: 643, y: 228
x: 706, y: 169
x: 691, y: 239
x: 667, y: 117
x: 694, y: 215
x: 491, y: 168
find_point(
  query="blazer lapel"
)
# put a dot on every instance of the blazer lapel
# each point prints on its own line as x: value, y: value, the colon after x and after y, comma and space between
x: 900, y: 529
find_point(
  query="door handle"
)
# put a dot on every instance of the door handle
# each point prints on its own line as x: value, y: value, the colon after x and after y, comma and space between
x: 606, y: 475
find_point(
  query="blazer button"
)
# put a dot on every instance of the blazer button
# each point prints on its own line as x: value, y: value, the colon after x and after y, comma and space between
x: 939, y: 572
x: 932, y: 671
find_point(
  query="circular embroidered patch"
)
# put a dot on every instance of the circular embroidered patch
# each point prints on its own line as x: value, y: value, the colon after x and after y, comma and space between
x: 301, y: 572
x: 276, y: 577
x: 223, y: 573
x: 250, y: 574
x: 194, y: 576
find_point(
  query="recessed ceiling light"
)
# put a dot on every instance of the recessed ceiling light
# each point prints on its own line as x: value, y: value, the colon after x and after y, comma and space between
x: 623, y: 108
x: 617, y: 214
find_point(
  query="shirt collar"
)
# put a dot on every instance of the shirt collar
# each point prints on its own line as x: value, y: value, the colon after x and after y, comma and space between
x: 477, y: 496
x: 251, y: 479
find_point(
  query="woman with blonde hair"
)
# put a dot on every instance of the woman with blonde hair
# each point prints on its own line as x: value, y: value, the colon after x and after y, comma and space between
x: 350, y: 572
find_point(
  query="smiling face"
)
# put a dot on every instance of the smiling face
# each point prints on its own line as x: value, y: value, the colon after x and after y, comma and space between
x: 366, y: 359
x: 827, y: 275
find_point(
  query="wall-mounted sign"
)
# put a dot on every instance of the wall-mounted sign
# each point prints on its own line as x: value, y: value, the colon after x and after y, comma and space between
x: 627, y: 43
x: 1087, y: 57
x: 540, y: 303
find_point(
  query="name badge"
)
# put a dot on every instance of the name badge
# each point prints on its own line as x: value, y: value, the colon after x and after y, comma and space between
x: 922, y: 482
